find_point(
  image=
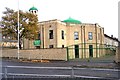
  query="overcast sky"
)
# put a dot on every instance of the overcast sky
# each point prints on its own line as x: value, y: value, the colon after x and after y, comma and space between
x: 103, y: 12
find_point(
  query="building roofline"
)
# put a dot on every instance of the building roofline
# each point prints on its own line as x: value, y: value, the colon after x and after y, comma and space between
x: 82, y: 24
x: 49, y: 20
x: 116, y: 39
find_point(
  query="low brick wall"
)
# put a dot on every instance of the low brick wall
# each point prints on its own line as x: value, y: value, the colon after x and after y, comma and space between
x: 118, y: 55
x: 50, y: 54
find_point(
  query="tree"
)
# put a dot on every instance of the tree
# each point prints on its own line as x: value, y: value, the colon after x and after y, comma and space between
x: 28, y: 26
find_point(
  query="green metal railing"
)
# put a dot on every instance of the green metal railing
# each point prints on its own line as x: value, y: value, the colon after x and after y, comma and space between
x: 86, y: 52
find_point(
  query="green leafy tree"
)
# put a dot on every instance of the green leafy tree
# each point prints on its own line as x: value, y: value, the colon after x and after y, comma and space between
x: 28, y: 24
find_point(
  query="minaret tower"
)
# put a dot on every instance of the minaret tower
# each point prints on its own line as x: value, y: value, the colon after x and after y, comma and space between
x: 33, y: 10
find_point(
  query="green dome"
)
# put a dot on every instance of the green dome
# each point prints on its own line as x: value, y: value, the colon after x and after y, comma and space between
x: 33, y: 8
x: 71, y: 20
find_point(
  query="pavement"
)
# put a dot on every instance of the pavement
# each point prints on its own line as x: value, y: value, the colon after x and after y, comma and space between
x: 105, y: 62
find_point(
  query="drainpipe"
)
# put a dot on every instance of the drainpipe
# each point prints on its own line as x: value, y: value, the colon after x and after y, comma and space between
x: 56, y: 24
x: 39, y: 37
x: 43, y: 36
x: 84, y: 43
x: 101, y: 39
x: 96, y: 40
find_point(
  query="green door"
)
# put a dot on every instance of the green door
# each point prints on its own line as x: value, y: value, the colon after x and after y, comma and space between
x: 91, y: 50
x: 76, y: 51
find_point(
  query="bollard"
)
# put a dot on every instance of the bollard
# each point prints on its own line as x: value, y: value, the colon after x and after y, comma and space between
x: 29, y: 56
x: 72, y: 75
x: 13, y: 77
x: 5, y: 73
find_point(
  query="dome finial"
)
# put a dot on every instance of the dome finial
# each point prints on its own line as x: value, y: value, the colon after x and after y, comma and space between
x: 69, y: 17
x: 33, y: 8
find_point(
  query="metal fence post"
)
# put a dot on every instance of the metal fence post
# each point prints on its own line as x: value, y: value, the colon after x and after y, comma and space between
x: 67, y: 54
x: 5, y: 73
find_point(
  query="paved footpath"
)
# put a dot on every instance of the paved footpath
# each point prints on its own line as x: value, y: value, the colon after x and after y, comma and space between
x: 92, y: 63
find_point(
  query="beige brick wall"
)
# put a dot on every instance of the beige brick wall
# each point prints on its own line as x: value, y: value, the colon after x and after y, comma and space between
x: 60, y: 41
x: 50, y: 54
x: 83, y: 30
x: 69, y: 29
x: 70, y: 35
x: 44, y: 28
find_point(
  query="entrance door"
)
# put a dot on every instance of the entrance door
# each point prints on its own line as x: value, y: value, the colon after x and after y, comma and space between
x: 91, y: 50
x: 76, y: 51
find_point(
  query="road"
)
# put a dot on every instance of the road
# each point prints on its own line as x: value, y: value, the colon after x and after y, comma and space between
x: 27, y: 70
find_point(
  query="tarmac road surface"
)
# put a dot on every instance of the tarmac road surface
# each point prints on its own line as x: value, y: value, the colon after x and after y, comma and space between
x: 56, y: 69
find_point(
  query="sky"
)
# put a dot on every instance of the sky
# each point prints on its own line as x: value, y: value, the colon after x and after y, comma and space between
x: 103, y: 12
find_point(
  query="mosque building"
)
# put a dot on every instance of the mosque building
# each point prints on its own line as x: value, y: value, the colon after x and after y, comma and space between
x: 82, y: 39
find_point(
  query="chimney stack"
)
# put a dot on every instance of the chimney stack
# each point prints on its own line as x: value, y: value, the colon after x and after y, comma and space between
x: 112, y: 36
